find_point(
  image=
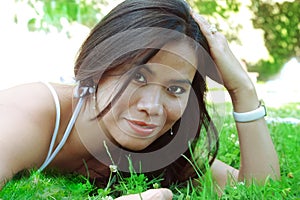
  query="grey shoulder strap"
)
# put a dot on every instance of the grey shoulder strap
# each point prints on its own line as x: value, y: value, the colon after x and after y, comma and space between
x: 51, y: 155
x: 57, y: 108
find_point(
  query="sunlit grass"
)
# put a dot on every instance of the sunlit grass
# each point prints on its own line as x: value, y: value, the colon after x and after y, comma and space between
x: 52, y: 185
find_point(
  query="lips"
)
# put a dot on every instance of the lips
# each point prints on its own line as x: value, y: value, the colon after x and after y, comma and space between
x: 141, y: 128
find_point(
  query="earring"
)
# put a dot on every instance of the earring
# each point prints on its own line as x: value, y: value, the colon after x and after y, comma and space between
x: 93, y: 91
x: 171, y: 131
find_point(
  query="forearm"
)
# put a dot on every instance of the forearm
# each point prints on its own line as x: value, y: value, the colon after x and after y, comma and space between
x: 258, y: 156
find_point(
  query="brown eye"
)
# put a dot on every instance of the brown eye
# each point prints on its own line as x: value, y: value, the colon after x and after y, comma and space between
x: 176, y: 90
x: 139, y: 77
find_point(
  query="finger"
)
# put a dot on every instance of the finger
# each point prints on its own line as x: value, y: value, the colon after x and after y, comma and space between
x: 208, y: 30
x: 167, y: 194
x: 157, y: 194
x: 161, y: 193
x: 212, y: 71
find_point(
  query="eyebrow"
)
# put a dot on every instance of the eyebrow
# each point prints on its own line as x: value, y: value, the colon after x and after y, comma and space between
x: 184, y: 81
x: 180, y: 81
x: 146, y: 67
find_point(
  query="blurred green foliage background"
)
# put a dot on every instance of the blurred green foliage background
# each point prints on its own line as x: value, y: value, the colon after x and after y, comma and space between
x: 278, y: 19
x: 281, y: 25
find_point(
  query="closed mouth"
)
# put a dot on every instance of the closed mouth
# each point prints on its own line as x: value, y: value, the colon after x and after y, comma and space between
x: 143, y: 124
x: 140, y: 127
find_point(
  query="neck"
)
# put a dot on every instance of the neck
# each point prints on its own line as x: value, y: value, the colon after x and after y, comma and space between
x: 92, y: 136
x: 73, y: 151
x: 87, y: 139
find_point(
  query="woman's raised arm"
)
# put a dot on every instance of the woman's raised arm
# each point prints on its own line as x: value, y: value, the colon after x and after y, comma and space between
x: 258, y: 156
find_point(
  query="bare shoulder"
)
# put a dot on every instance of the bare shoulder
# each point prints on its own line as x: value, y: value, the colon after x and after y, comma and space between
x: 25, y: 121
x: 27, y: 96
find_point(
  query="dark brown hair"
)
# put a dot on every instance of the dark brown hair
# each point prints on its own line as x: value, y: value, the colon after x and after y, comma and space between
x: 135, y: 25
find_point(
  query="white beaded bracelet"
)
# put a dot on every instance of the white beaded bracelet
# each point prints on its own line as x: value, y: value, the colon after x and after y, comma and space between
x: 250, y: 116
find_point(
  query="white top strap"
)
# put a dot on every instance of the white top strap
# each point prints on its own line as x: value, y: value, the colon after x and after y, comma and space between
x: 57, y: 108
x: 75, y: 114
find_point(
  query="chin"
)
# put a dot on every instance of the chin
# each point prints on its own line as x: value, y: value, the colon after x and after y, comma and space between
x: 134, y: 146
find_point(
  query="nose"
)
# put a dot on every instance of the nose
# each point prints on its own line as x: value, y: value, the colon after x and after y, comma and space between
x: 150, y: 100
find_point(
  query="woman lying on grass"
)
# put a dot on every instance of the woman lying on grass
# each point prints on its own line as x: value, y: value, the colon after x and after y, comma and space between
x: 140, y: 93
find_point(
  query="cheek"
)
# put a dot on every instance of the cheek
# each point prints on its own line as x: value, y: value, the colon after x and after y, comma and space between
x: 175, y: 109
x: 118, y: 109
x: 124, y: 106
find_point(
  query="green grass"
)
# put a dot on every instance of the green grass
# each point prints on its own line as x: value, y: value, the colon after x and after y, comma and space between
x: 286, y: 137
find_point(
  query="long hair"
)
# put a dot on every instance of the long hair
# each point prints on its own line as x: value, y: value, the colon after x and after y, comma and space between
x: 121, y: 40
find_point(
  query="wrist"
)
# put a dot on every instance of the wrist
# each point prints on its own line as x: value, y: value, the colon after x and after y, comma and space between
x: 252, y: 115
x: 244, y: 99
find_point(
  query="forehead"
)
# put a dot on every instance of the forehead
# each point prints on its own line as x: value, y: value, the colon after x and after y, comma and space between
x: 178, y: 55
x: 182, y: 49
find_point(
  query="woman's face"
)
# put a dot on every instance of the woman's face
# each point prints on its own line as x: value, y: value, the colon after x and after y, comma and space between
x: 154, y: 100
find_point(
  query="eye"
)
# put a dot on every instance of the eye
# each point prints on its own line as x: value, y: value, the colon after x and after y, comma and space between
x: 139, y: 77
x: 176, y: 90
